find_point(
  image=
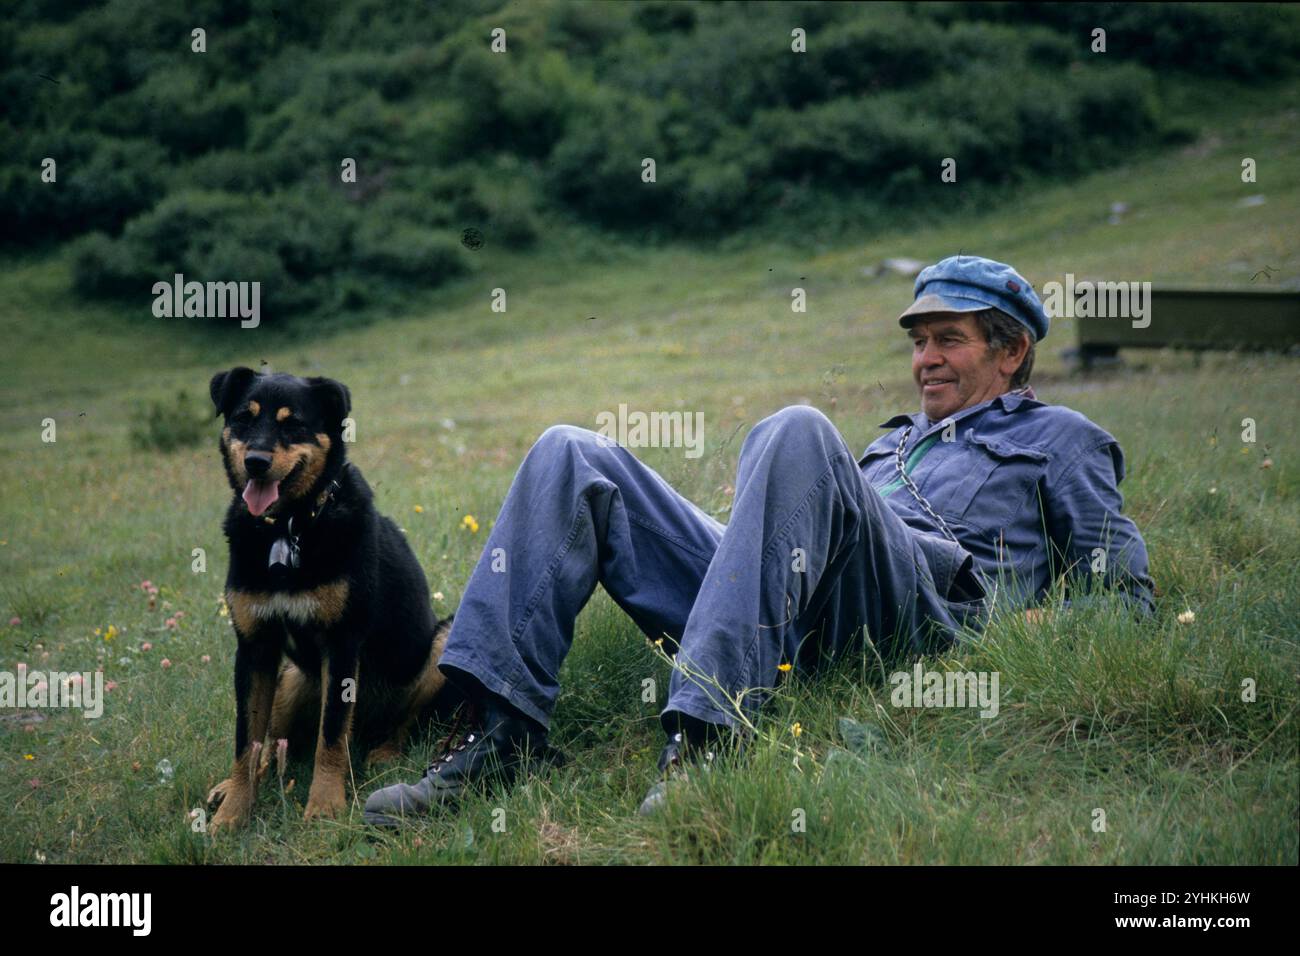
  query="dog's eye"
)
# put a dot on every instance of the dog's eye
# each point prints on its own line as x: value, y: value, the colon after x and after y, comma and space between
x: 243, y: 418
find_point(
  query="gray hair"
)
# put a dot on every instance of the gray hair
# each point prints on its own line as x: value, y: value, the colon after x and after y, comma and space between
x: 1001, y: 332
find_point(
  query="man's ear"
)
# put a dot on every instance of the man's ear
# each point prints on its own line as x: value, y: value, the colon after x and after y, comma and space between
x: 227, y: 387
x: 334, y: 399
x: 1013, y: 355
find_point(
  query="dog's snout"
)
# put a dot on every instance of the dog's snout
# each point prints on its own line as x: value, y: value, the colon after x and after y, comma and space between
x: 257, y: 463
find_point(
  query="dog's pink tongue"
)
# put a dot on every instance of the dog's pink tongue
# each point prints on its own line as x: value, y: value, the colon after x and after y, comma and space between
x: 260, y: 495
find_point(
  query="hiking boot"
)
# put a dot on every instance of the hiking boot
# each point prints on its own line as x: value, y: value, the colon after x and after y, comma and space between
x: 497, y: 744
x: 696, y: 744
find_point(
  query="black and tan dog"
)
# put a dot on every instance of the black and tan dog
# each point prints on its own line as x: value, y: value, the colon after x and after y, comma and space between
x: 337, y: 639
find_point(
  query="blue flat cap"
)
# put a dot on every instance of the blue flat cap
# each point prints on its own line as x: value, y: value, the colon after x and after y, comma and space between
x: 972, y: 284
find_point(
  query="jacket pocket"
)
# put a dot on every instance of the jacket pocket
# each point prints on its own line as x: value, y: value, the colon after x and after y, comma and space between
x: 996, y: 478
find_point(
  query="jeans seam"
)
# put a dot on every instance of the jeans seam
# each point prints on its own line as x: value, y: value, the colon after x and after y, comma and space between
x: 803, y: 505
x: 584, y: 507
x: 664, y: 533
x: 745, y: 665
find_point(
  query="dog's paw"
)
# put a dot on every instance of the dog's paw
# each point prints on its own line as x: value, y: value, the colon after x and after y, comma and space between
x: 218, y: 794
x: 232, y: 815
x: 384, y: 753
x: 326, y: 799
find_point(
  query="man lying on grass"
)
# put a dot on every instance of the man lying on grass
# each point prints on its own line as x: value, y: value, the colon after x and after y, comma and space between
x: 984, y: 496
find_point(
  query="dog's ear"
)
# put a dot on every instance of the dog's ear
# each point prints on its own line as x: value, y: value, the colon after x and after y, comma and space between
x: 226, y: 387
x: 334, y: 398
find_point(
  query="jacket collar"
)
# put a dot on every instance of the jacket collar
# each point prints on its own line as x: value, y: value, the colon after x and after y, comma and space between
x: 1010, y: 401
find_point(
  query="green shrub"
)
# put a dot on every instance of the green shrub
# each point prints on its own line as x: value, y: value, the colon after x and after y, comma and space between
x: 167, y: 426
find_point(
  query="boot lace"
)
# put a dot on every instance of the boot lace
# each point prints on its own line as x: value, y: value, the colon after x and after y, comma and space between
x: 470, y: 718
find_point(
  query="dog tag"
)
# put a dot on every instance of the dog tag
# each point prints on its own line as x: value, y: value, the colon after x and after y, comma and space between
x: 284, y: 552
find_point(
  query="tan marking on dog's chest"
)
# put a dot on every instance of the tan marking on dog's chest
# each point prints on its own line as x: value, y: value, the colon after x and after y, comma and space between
x: 323, y: 605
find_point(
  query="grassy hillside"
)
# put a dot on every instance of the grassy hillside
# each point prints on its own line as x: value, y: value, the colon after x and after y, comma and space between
x: 1144, y: 721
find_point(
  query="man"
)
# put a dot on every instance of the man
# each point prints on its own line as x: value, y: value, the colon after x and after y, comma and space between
x: 982, y: 498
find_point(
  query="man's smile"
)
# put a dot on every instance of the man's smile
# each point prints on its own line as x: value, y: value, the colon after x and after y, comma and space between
x: 933, y: 383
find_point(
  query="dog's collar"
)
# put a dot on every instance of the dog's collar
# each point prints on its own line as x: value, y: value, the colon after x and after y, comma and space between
x: 285, y: 550
x: 322, y: 499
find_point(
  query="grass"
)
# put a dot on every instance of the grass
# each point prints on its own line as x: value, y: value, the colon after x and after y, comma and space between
x: 1145, y: 722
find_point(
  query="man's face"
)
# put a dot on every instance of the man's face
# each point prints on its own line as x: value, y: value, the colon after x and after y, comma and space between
x: 952, y: 366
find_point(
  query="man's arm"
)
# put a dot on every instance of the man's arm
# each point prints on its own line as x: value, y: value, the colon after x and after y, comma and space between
x: 1090, y: 539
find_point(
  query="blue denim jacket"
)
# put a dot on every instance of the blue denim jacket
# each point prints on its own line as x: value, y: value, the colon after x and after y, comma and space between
x: 1028, y: 489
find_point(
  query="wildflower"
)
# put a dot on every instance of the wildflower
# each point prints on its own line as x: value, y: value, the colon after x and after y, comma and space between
x: 1266, y: 463
x: 784, y: 668
x: 111, y: 633
x: 437, y: 595
x: 110, y: 685
x: 419, y: 509
x: 15, y: 621
x: 1213, y: 490
x: 34, y: 783
x: 29, y: 756
x: 797, y: 729
x: 1187, y: 617
x: 469, y: 522
x: 146, y: 646
x: 206, y: 659
x: 165, y: 663
x: 170, y: 622
x: 146, y: 584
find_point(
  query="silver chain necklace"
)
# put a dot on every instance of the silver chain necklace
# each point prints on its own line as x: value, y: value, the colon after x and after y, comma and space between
x: 916, y: 492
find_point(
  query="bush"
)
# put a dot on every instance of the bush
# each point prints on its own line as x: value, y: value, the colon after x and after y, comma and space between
x: 410, y: 255
x: 167, y: 426
x: 103, y: 267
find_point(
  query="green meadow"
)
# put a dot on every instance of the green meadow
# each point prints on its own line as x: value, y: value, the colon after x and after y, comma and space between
x: 1180, y: 730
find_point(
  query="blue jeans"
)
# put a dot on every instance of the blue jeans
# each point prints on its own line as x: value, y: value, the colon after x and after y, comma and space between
x: 810, y: 557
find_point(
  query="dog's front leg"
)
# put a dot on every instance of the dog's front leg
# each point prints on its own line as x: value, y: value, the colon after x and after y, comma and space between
x: 256, y: 664
x: 328, y: 796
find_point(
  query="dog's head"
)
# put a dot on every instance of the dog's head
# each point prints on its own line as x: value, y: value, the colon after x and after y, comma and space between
x: 283, y: 434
